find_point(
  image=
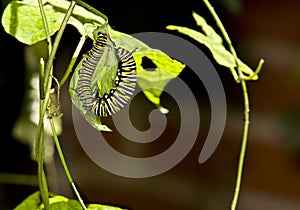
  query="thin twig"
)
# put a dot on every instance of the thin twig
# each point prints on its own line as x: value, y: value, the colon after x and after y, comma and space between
x: 64, y: 164
x: 92, y: 9
x: 257, y: 71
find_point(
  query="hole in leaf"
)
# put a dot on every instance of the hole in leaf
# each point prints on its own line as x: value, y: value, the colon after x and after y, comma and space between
x: 148, y: 64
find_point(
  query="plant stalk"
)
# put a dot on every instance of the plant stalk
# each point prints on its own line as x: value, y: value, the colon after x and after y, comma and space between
x: 243, y: 146
x: 58, y: 37
x: 92, y: 9
x: 64, y: 164
x: 39, y: 144
x: 246, y: 106
x: 45, y: 84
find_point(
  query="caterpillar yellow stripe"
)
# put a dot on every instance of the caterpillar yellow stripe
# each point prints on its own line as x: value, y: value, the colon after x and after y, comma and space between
x: 125, y: 82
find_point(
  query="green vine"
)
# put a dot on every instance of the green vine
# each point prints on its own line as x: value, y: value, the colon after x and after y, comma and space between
x: 240, y: 72
x: 242, y: 79
x: 64, y: 164
x: 47, y: 81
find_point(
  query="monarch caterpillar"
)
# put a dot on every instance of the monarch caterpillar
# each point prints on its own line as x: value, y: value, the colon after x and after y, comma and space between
x: 124, y: 84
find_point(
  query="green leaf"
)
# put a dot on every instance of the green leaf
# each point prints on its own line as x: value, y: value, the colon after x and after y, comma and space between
x: 58, y: 202
x: 80, y: 16
x: 154, y: 81
x: 80, y: 13
x: 69, y: 205
x: 23, y: 20
x: 214, y: 43
x: 101, y: 207
x: 31, y: 202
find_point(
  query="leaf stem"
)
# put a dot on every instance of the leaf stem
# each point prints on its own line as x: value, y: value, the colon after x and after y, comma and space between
x: 64, y: 164
x: 258, y: 69
x: 45, y: 23
x: 92, y: 9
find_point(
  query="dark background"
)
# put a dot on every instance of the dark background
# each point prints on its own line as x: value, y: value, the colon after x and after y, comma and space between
x: 267, y: 29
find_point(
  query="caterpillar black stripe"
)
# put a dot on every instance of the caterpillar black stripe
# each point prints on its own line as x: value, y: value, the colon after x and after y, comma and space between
x: 85, y: 74
x: 125, y: 81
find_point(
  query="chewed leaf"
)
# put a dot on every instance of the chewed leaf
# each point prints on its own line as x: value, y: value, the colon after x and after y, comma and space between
x: 105, y: 85
x: 153, y: 81
x: 89, y: 29
x: 214, y: 43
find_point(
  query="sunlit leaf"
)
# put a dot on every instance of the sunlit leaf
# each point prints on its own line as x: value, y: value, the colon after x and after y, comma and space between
x: 80, y: 13
x: 214, y: 43
x: 101, y: 207
x: 153, y: 81
x: 31, y: 202
x: 58, y: 202
x: 23, y: 20
x: 70, y: 205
